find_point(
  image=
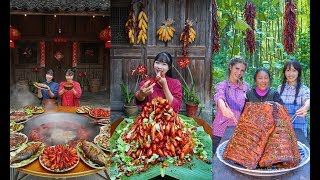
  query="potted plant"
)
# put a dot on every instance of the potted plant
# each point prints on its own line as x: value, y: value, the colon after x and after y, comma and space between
x: 35, y: 78
x: 83, y: 80
x: 189, y: 93
x: 130, y: 107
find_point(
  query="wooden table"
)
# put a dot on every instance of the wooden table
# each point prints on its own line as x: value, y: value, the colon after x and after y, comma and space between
x: 222, y: 171
x: 81, y: 169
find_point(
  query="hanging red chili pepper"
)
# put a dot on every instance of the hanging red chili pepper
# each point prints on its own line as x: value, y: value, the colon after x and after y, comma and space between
x: 215, y: 28
x: 250, y: 14
x: 290, y: 27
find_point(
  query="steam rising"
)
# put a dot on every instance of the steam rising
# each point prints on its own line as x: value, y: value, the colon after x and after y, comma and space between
x: 21, y: 96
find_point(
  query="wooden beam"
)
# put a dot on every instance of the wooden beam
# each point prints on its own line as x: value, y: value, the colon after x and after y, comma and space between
x: 62, y: 13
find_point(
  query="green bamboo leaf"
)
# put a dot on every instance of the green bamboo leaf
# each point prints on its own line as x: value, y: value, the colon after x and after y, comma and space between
x: 241, y: 25
x: 262, y: 16
x: 274, y: 2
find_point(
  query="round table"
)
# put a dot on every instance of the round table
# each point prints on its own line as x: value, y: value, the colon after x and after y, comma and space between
x: 81, y: 169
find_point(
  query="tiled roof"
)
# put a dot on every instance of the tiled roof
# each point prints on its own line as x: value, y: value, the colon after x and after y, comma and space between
x: 60, y: 5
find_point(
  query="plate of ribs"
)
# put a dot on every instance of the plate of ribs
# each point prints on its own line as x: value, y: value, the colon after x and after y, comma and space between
x: 266, y: 171
x: 264, y: 142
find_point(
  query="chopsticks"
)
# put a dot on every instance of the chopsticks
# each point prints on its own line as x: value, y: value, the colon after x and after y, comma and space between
x: 293, y: 118
x: 233, y: 118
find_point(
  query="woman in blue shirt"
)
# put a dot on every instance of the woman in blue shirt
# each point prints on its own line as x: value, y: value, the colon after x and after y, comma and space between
x: 295, y: 95
x: 52, y: 91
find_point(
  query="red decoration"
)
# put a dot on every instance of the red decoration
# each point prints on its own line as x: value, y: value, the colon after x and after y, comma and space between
x: 74, y: 54
x: 105, y: 35
x: 215, y: 28
x: 183, y: 62
x: 42, y: 54
x: 107, y: 44
x: 250, y: 15
x: 290, y: 27
x: 15, y: 35
x: 60, y: 40
x: 58, y: 56
x: 11, y: 44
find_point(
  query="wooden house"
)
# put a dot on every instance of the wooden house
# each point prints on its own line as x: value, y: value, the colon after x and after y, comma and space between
x: 60, y: 35
x: 80, y: 23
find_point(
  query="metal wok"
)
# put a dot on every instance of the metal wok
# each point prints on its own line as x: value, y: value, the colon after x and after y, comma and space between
x: 60, y: 128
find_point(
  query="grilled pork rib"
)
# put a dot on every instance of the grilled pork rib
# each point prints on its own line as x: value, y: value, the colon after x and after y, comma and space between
x: 282, y: 147
x: 247, y: 144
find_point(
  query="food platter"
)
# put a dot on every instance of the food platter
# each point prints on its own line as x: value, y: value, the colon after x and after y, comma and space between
x: 87, y: 160
x: 100, y: 113
x: 105, y: 129
x: 195, y: 169
x: 17, y: 140
x: 83, y: 109
x: 15, y: 127
x: 33, y: 109
x: 19, y: 116
x: 62, y: 152
x: 29, y: 160
x: 58, y: 170
x: 102, y: 140
x: 41, y: 86
x: 101, y: 121
x: 271, y: 171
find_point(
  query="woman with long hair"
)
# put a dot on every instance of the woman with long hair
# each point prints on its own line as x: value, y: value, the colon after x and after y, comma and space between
x: 70, y: 97
x: 295, y: 95
x: 229, y: 99
x: 166, y: 86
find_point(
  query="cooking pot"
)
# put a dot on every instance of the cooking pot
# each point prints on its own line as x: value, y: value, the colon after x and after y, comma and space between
x: 49, y: 104
x: 60, y: 128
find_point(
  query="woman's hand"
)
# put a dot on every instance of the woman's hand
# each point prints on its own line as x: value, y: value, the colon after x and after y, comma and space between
x: 163, y: 80
x: 302, y: 111
x: 145, y: 89
x: 228, y: 113
x: 226, y: 110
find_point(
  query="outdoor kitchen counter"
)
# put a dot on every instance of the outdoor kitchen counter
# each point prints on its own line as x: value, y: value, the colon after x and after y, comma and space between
x: 222, y: 171
x: 81, y: 169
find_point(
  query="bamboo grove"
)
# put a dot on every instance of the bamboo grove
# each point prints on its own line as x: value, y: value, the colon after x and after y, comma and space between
x: 255, y: 30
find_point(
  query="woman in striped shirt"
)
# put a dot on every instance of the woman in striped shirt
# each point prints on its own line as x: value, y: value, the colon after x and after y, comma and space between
x: 229, y: 99
x: 295, y: 95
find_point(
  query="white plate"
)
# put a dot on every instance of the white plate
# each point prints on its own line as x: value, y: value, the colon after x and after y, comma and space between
x: 304, y: 154
x: 99, y: 117
x: 45, y: 88
x: 98, y: 144
x: 18, y: 146
x: 20, y: 127
x: 87, y: 160
x: 58, y: 170
x: 26, y: 161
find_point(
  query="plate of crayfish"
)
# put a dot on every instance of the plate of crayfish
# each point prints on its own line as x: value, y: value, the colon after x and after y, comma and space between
x: 59, y: 158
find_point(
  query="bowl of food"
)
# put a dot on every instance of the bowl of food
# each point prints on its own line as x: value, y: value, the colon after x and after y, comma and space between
x: 49, y: 104
x: 68, y: 86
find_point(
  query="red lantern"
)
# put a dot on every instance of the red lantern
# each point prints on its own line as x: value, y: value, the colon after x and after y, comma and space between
x: 11, y: 44
x: 107, y: 44
x: 105, y: 35
x: 14, y: 36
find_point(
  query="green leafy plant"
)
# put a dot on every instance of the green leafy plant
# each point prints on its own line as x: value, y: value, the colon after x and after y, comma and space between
x: 83, y: 78
x: 189, y: 91
x: 126, y: 92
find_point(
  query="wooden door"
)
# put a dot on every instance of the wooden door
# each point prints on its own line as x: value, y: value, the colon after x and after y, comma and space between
x: 59, y: 58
